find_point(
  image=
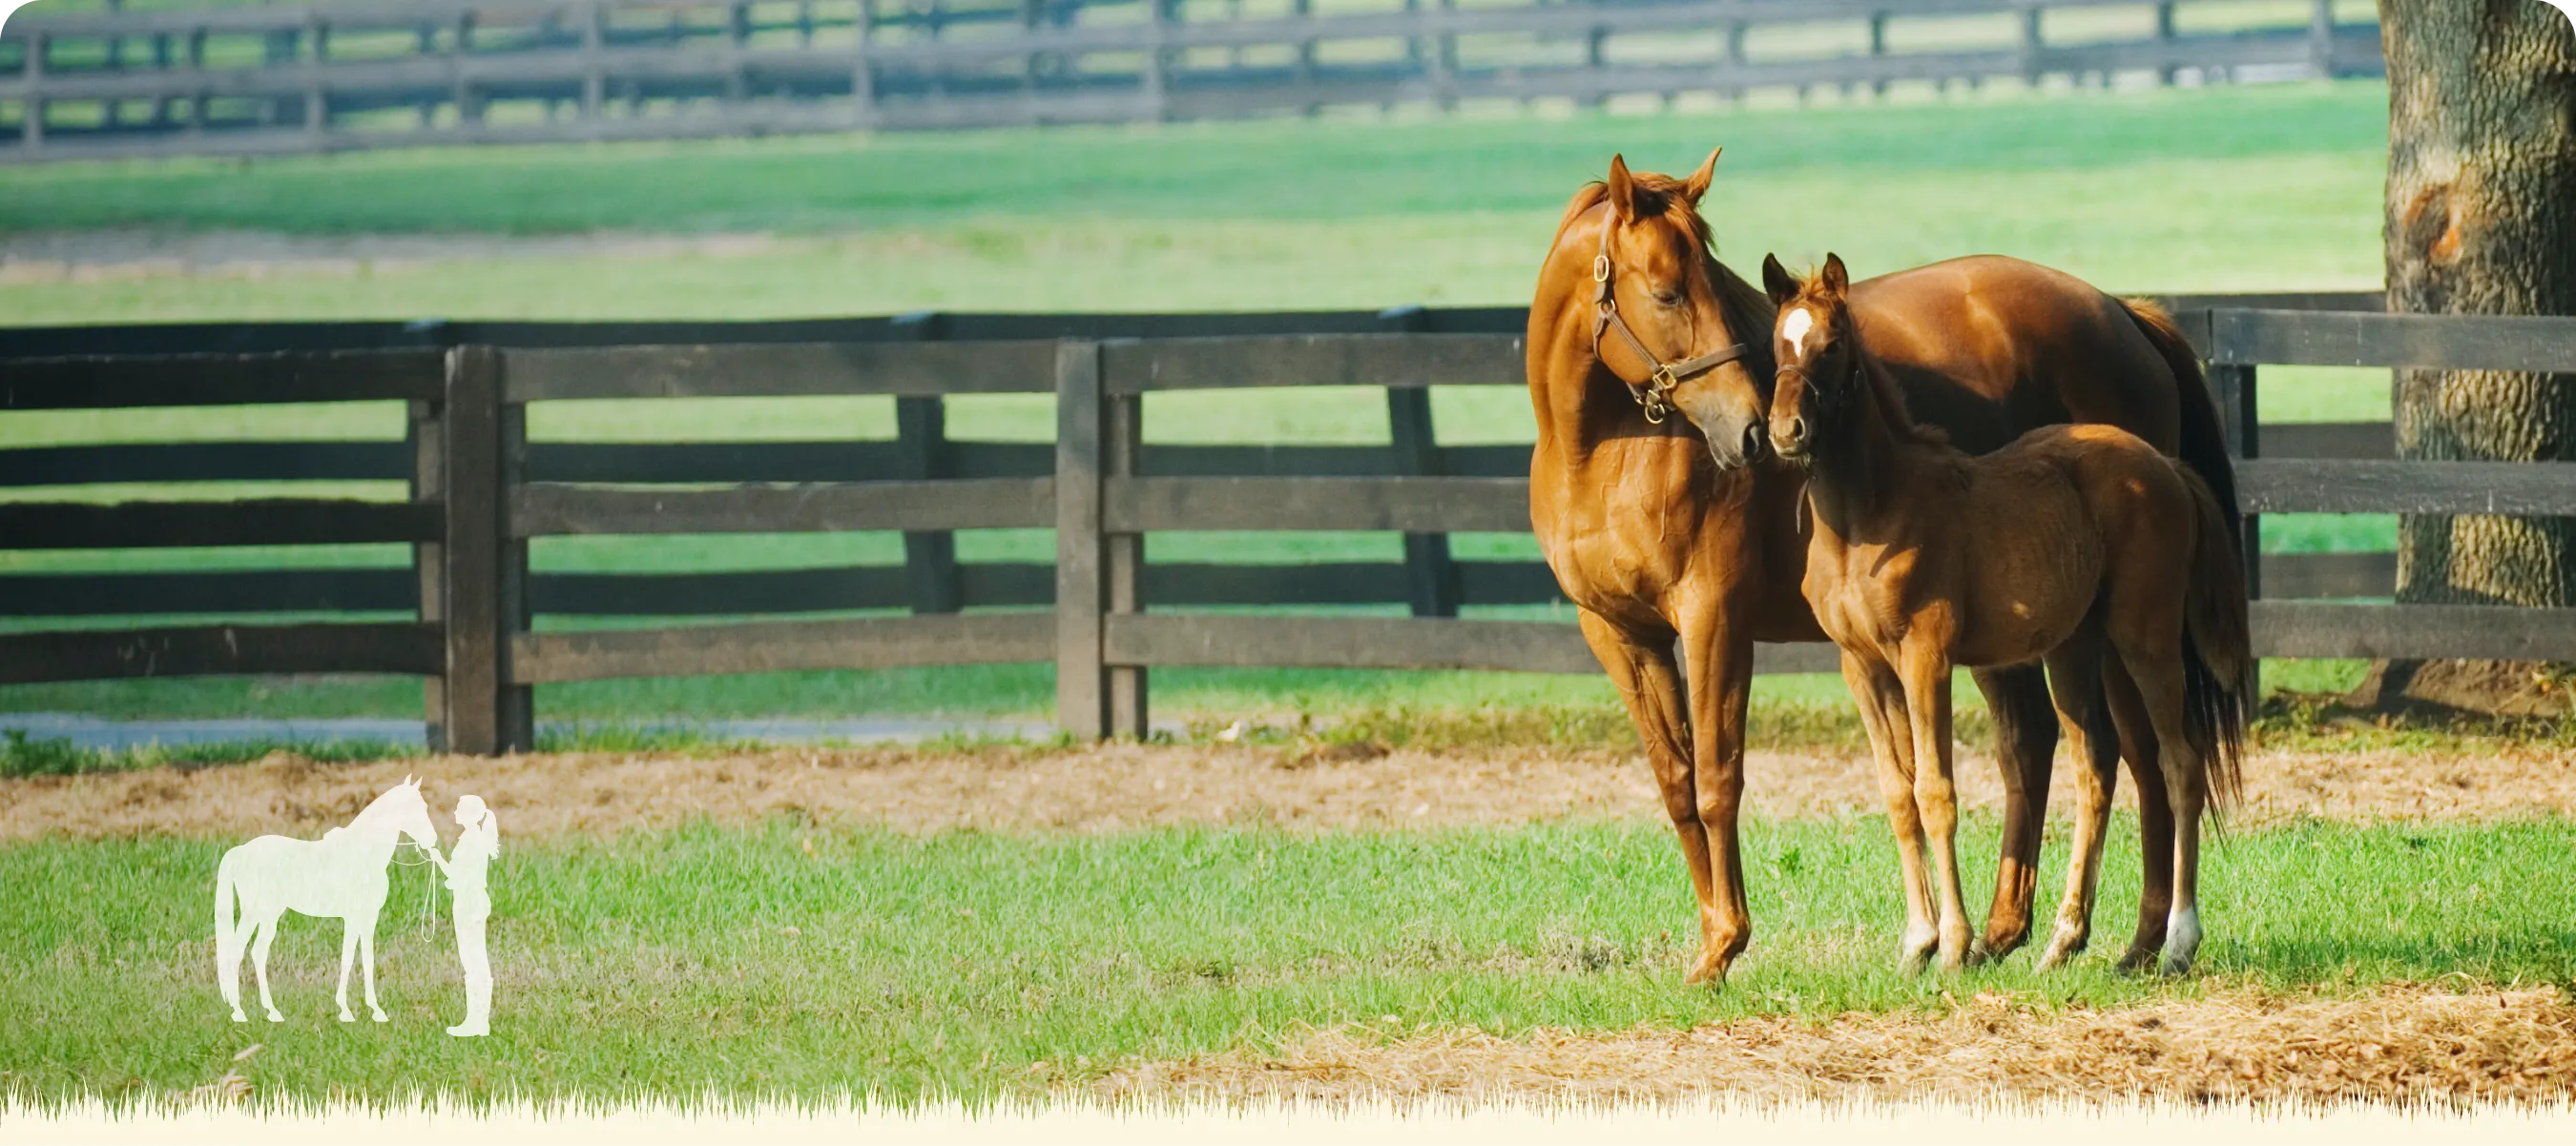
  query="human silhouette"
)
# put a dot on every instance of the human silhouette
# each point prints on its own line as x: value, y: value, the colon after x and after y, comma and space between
x: 465, y: 867
x: 340, y: 876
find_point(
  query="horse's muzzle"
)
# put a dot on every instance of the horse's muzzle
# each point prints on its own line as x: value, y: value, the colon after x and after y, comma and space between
x: 1736, y: 451
x: 1789, y: 439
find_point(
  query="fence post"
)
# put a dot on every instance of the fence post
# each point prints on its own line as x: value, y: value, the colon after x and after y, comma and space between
x: 2164, y: 42
x: 468, y: 110
x: 1081, y: 679
x: 2235, y: 388
x: 2034, y: 41
x: 427, y: 436
x: 1158, y: 61
x: 594, y: 70
x: 921, y: 436
x: 317, y: 106
x: 2321, y: 30
x: 1029, y: 62
x: 737, y: 38
x: 1878, y: 50
x: 484, y: 571
x: 1594, y: 40
x: 197, y: 94
x: 1444, y: 58
x: 1733, y: 66
x: 1122, y: 444
x: 1431, y: 578
x: 31, y: 111
x: 863, y: 74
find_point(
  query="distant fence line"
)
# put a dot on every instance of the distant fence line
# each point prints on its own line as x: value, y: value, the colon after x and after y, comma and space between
x: 291, y: 78
x: 480, y: 491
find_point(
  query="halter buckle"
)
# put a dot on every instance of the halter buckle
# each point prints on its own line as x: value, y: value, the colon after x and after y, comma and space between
x: 1601, y: 268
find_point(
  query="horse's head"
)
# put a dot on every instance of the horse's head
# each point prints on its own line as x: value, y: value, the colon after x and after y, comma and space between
x: 1671, y: 321
x: 1819, y: 379
x: 404, y: 810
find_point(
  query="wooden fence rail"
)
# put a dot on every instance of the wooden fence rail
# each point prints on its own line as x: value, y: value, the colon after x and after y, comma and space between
x: 281, y: 78
x: 460, y: 613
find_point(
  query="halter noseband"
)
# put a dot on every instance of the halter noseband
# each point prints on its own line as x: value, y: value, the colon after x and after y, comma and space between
x: 1653, y: 394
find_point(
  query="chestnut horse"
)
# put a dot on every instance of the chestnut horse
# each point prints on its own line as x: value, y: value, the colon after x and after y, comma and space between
x: 2070, y: 542
x: 1680, y: 535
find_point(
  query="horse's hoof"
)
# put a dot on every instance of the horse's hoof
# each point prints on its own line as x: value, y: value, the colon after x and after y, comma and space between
x: 469, y: 1030
x: 2064, y: 945
x: 380, y: 1017
x: 239, y: 1017
x: 274, y: 1017
x: 1708, y: 971
x: 2174, y: 966
x: 2136, y: 960
x: 346, y: 1017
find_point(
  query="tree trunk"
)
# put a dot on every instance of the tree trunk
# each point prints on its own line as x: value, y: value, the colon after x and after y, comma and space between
x: 2481, y: 220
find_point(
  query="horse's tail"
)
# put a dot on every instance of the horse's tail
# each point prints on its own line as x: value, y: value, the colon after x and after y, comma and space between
x: 2204, y: 437
x: 2218, y: 652
x: 228, y: 937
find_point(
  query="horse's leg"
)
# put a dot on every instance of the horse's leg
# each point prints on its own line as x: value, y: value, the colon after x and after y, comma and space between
x: 1721, y: 681
x: 367, y: 954
x: 1882, y: 714
x: 2025, y: 743
x: 259, y: 965
x: 2075, y: 685
x: 2140, y: 746
x: 2156, y: 667
x: 348, y: 952
x: 1652, y: 689
x: 1925, y: 674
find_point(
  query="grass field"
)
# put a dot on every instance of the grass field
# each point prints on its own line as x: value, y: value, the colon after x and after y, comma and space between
x: 2213, y: 189
x: 802, y: 963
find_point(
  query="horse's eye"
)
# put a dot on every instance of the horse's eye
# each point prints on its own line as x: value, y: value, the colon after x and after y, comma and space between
x: 1669, y: 297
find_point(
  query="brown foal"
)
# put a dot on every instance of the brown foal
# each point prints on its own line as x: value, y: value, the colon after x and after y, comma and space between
x: 2073, y: 542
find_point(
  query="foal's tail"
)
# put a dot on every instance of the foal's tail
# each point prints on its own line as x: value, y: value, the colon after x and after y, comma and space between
x: 228, y: 936
x: 2218, y: 655
x: 2203, y: 446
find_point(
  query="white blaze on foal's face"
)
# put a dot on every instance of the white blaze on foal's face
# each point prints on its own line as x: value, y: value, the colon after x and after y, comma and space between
x: 1794, y: 330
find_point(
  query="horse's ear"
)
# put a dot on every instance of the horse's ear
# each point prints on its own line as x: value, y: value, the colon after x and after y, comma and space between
x: 1697, y: 184
x: 1777, y: 281
x: 1837, y: 281
x: 1623, y: 190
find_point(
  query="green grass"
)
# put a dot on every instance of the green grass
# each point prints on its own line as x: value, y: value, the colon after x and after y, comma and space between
x: 2223, y: 188
x: 1260, y: 171
x: 792, y: 962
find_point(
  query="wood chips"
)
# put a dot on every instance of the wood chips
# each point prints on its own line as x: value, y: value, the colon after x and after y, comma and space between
x: 2406, y: 1045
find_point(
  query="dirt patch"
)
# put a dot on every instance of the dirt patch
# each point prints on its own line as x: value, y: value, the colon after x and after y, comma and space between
x: 2410, y: 1045
x: 1118, y: 787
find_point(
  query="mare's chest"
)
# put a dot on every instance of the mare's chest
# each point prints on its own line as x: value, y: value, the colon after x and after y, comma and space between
x: 1640, y: 522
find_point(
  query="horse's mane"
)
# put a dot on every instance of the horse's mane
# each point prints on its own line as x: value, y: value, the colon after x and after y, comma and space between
x: 1748, y: 311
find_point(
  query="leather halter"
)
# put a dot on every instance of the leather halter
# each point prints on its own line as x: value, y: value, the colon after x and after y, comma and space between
x: 1653, y: 394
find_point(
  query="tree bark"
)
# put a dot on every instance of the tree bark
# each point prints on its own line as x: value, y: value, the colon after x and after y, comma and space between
x: 2481, y: 220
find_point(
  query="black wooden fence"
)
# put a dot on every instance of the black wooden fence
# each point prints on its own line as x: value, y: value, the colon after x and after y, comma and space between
x: 480, y: 490
x: 289, y: 77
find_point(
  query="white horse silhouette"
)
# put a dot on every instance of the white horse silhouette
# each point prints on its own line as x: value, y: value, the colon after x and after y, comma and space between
x: 341, y: 875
